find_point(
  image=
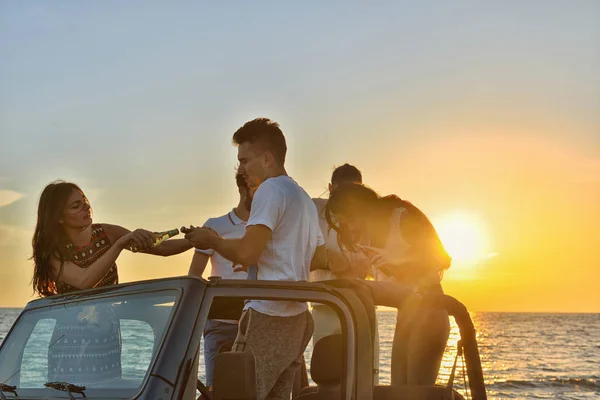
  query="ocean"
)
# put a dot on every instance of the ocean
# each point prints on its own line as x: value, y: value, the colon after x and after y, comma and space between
x: 524, y: 356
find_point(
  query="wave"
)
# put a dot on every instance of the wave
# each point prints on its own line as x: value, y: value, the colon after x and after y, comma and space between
x: 592, y: 383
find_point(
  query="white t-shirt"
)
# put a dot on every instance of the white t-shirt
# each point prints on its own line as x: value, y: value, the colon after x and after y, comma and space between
x: 228, y: 226
x: 287, y: 210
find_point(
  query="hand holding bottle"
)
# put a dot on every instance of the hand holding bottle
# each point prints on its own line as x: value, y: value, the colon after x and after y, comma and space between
x: 143, y: 239
x: 186, y: 230
x: 200, y: 238
x: 140, y: 239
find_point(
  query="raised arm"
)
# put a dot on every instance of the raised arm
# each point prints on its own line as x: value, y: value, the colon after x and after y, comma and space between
x: 167, y: 248
x: 244, y: 251
x: 170, y: 247
x: 267, y: 208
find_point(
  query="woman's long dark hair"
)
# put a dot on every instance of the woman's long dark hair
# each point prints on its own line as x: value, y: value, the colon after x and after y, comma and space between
x: 355, y: 197
x: 49, y: 239
x: 347, y: 198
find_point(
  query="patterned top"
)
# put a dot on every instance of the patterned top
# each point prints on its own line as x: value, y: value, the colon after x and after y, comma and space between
x: 84, y: 256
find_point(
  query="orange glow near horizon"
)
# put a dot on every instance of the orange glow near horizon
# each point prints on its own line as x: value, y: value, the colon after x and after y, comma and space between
x: 518, y: 213
x: 465, y: 238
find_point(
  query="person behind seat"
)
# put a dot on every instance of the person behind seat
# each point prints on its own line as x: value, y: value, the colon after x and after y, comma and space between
x: 284, y: 240
x: 342, y: 263
x: 71, y: 253
x: 230, y: 225
x: 405, y: 249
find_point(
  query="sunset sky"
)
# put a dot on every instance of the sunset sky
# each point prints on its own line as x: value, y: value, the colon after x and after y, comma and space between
x: 485, y: 115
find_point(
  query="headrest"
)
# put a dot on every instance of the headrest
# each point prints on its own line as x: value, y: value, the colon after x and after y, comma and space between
x: 405, y: 392
x: 235, y: 367
x: 226, y: 308
x: 327, y: 361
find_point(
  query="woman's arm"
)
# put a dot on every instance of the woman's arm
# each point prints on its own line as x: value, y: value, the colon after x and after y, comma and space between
x: 165, y: 249
x: 170, y: 248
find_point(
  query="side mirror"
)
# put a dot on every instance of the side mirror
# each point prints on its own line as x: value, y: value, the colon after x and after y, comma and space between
x: 235, y: 376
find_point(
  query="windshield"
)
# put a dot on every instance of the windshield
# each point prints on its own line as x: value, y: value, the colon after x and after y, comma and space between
x: 106, y: 345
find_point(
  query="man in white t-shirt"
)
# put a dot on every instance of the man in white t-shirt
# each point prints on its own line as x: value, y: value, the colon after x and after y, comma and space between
x: 284, y: 240
x: 231, y: 225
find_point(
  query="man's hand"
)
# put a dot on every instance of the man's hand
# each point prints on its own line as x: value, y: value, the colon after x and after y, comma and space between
x: 239, y: 268
x: 200, y: 238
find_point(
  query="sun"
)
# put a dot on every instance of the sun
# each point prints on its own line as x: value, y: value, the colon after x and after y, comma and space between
x: 465, y: 237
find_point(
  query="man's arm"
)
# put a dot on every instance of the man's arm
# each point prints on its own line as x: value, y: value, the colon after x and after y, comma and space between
x: 198, y: 265
x: 267, y: 208
x: 244, y: 251
x: 320, y: 259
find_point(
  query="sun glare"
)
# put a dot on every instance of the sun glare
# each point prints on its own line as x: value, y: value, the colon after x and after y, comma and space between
x: 464, y: 236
